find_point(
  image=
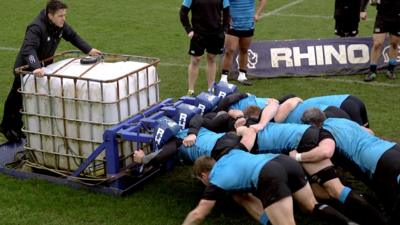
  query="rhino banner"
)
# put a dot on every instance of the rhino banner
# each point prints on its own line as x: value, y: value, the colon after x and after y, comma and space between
x: 339, y: 56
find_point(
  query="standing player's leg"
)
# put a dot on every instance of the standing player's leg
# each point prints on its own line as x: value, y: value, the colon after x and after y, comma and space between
x: 244, y: 45
x: 393, y: 53
x: 231, y: 44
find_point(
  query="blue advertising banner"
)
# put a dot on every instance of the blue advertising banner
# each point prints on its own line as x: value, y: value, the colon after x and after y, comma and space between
x: 340, y: 56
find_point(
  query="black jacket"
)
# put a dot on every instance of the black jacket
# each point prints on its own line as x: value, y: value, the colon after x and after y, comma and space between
x: 350, y: 9
x: 41, y: 41
x: 208, y: 16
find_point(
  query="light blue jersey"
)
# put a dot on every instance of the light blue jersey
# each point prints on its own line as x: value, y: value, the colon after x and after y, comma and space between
x: 331, y: 100
x: 242, y: 14
x: 239, y: 170
x: 249, y: 101
x: 357, y: 144
x: 295, y: 115
x: 204, y: 144
x: 280, y: 137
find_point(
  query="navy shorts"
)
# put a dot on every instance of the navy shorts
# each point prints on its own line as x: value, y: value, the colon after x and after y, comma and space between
x: 241, y: 33
x: 212, y: 43
x: 387, y: 24
x: 356, y: 109
x: 278, y: 179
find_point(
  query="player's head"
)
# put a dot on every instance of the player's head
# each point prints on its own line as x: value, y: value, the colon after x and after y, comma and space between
x: 56, y: 11
x: 313, y: 116
x: 202, y: 167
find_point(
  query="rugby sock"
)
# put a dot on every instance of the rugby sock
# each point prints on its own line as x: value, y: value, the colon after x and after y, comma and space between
x: 359, y: 209
x: 328, y: 213
x: 242, y: 74
x: 343, y: 195
x: 263, y: 219
x: 395, y: 215
x: 392, y: 64
x: 372, y: 68
x: 224, y: 76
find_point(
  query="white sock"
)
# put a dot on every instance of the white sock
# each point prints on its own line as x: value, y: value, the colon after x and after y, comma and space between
x: 224, y: 78
x: 242, y: 76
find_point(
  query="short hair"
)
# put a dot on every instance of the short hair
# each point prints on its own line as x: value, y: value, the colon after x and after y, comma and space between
x: 252, y: 112
x: 203, y: 164
x: 54, y: 5
x: 313, y: 116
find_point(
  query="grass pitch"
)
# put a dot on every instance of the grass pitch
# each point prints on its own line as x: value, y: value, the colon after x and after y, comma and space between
x: 152, y: 28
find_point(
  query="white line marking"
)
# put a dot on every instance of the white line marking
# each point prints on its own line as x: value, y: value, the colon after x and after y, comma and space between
x: 303, y: 16
x: 9, y: 49
x: 175, y: 65
x: 309, y: 16
x: 351, y: 81
x: 281, y: 8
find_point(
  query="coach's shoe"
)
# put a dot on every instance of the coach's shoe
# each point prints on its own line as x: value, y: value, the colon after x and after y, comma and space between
x: 370, y: 77
x: 190, y: 93
x: 391, y: 75
x: 10, y: 134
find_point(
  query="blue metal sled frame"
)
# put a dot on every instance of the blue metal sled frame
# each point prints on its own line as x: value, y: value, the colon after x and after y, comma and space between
x: 128, y: 130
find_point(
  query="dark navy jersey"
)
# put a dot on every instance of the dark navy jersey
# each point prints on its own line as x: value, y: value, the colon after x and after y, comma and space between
x: 350, y: 9
x: 390, y: 8
x: 280, y: 137
x: 238, y: 170
x: 356, y: 144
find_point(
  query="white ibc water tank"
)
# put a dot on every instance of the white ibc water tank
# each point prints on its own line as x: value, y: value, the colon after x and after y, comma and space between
x: 67, y: 112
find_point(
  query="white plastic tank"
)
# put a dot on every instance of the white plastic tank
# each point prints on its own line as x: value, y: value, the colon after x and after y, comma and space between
x: 67, y: 112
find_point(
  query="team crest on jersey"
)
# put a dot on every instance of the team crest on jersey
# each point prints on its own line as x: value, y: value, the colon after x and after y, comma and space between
x: 48, y: 39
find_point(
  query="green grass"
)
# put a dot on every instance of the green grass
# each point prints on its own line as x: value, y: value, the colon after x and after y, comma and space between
x: 152, y: 28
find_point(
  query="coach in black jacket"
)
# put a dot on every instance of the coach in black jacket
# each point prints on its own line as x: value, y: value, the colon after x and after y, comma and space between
x: 41, y: 40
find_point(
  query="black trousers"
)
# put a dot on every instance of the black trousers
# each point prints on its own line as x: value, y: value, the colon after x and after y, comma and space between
x: 12, y: 117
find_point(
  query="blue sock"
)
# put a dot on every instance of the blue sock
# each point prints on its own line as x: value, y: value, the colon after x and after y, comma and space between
x: 263, y: 219
x: 392, y: 62
x: 392, y: 65
x: 343, y: 195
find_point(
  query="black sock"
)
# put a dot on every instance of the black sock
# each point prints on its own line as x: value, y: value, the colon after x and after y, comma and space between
x: 361, y: 211
x: 328, y: 213
x: 225, y: 72
x: 391, y: 67
x: 372, y: 68
x: 243, y: 71
x: 395, y: 214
